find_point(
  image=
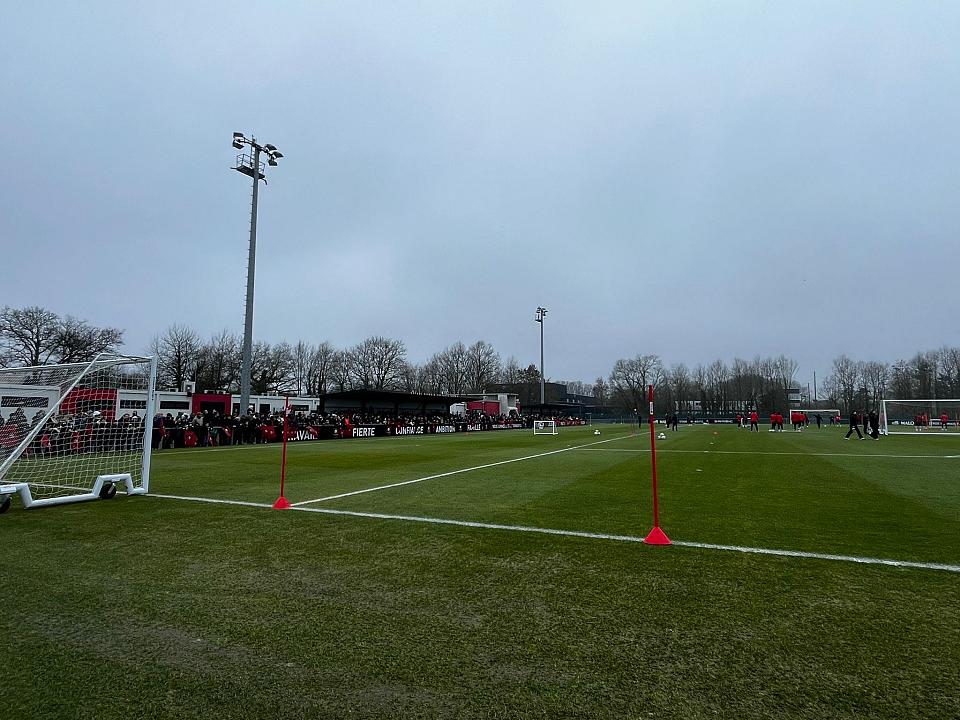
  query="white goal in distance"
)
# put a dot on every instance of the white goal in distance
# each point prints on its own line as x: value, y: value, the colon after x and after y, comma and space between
x: 900, y: 417
x: 825, y: 415
x: 76, y: 431
x: 545, y: 427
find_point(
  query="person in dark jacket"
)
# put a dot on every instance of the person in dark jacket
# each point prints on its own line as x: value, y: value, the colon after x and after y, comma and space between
x: 874, y: 424
x: 854, y: 425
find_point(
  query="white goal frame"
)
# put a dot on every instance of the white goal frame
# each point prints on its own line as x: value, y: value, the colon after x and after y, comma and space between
x: 934, y: 421
x: 811, y: 414
x: 103, y: 486
x: 545, y: 427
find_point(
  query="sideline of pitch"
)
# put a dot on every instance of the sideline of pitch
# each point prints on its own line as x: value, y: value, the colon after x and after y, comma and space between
x: 583, y: 534
x: 770, y: 452
x: 457, y: 472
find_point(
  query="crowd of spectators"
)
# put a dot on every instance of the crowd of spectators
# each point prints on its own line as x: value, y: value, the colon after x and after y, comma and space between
x: 73, y: 433
x: 93, y: 431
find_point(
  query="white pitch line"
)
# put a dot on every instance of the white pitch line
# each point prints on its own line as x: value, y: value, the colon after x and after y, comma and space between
x: 215, y: 501
x: 762, y: 452
x: 588, y: 535
x: 452, y: 472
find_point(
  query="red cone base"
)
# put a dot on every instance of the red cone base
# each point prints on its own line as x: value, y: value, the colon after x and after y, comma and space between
x: 282, y: 504
x: 656, y: 537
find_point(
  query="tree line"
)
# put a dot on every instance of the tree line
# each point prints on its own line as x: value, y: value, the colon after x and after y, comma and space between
x: 308, y: 369
x: 862, y: 384
x: 37, y: 336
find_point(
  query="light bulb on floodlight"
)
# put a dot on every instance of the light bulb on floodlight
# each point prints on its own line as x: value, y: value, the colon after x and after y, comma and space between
x: 277, y: 154
x: 270, y: 148
x: 272, y: 162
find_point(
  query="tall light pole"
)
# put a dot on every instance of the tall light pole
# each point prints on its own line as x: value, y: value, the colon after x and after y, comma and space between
x: 251, y: 166
x: 541, y: 312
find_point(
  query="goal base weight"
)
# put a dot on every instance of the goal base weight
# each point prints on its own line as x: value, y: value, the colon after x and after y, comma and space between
x: 104, y: 488
x: 282, y: 504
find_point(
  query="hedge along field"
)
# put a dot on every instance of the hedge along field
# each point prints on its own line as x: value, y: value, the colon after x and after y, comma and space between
x: 156, y: 607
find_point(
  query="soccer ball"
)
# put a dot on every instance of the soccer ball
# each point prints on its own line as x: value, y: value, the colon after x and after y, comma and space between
x: 661, y: 436
x: 596, y: 432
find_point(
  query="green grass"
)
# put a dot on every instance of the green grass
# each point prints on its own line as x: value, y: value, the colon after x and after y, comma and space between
x: 158, y: 608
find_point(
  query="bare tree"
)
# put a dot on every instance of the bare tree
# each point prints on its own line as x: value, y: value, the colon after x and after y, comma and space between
x: 453, y: 365
x: 876, y: 375
x: 841, y: 383
x: 601, y: 391
x: 484, y: 367
x: 901, y: 383
x: 37, y: 336
x: 950, y: 371
x: 718, y: 375
x: 629, y: 379
x: 320, y: 369
x: 340, y: 375
x: 429, y: 378
x: 511, y: 371
x: 79, y: 341
x: 29, y: 336
x: 377, y: 363
x: 272, y: 369
x: 177, y: 351
x: 578, y: 387
x: 679, y: 380
x: 218, y: 367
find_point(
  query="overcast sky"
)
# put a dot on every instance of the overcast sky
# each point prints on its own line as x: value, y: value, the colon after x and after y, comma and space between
x: 696, y: 180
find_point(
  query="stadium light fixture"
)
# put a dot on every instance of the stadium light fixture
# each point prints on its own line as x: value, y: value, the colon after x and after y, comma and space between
x: 249, y: 164
x: 541, y: 313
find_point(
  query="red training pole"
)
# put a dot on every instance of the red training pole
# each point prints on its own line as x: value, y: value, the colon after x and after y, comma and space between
x: 656, y: 536
x: 282, y: 503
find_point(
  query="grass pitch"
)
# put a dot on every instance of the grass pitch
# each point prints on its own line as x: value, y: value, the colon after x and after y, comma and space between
x: 156, y: 607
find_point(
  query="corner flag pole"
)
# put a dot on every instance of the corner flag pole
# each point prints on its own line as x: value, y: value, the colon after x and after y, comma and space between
x: 282, y: 503
x: 656, y: 536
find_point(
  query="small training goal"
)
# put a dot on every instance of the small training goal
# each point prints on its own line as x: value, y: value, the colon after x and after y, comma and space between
x: 545, y: 427
x: 76, y: 431
x: 906, y: 417
x: 826, y: 416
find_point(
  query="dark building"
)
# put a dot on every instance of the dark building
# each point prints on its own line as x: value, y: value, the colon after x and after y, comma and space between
x: 557, y: 401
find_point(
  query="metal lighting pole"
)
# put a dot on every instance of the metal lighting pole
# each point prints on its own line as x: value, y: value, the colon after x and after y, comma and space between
x: 252, y: 167
x: 541, y: 312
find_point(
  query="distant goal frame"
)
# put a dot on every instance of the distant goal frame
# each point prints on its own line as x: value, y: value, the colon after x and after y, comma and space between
x: 540, y: 427
x: 933, y: 427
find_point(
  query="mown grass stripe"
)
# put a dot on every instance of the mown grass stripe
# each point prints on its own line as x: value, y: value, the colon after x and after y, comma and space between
x: 589, y: 535
x: 451, y: 472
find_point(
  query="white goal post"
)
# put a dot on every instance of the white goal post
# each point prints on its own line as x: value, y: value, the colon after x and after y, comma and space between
x: 825, y: 414
x: 76, y: 431
x: 906, y: 417
x: 545, y: 427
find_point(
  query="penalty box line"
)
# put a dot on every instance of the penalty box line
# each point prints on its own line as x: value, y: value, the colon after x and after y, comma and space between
x: 456, y: 472
x: 585, y: 535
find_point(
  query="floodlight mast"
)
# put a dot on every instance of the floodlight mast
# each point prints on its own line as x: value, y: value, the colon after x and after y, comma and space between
x: 541, y: 312
x: 251, y: 165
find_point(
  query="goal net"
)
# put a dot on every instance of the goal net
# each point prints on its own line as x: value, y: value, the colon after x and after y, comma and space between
x: 901, y: 417
x: 827, y: 417
x: 77, y: 431
x: 544, y: 427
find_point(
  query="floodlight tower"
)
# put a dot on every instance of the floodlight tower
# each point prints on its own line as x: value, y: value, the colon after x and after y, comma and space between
x: 541, y: 312
x: 251, y: 166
